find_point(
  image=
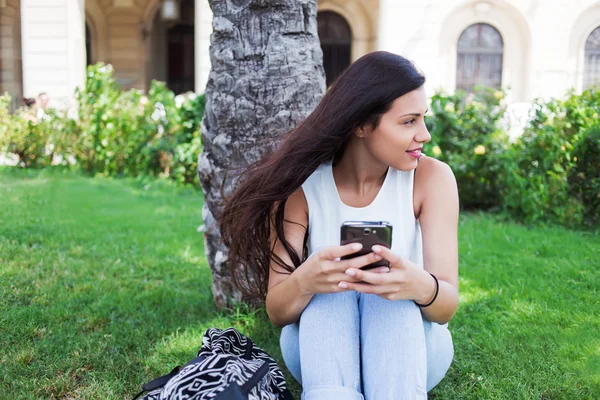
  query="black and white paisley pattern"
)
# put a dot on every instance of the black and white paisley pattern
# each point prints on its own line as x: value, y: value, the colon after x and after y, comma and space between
x: 227, y: 358
x: 275, y: 376
x: 207, y: 379
x: 230, y: 340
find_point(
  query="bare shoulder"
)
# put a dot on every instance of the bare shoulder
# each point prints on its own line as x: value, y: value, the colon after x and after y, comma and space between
x: 295, y: 217
x: 432, y: 168
x: 296, y: 204
x: 434, y: 179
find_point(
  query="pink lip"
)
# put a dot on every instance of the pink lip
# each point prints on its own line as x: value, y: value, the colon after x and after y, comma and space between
x: 415, y: 153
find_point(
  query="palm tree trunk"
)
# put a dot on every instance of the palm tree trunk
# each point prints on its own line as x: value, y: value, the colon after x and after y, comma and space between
x: 267, y: 75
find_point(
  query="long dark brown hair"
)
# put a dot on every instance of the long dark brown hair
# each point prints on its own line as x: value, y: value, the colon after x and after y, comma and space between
x: 358, y: 97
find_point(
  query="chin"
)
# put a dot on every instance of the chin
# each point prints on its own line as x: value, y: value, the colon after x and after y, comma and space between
x: 407, y: 165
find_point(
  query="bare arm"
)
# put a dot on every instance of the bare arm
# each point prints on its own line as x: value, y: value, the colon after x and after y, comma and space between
x: 439, y: 225
x: 285, y: 301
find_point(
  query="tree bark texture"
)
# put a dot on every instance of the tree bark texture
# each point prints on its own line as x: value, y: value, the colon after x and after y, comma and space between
x: 266, y: 76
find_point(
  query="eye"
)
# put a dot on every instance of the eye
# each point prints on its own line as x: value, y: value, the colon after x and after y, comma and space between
x: 410, y: 121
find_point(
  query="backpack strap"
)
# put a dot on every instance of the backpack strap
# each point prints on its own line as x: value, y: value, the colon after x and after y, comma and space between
x: 162, y: 380
x: 249, y: 348
x: 236, y: 392
x: 287, y: 395
x: 257, y: 377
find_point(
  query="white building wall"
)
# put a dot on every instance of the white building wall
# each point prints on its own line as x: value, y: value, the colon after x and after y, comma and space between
x: 203, y: 30
x: 53, y: 45
x: 543, y: 40
x: 412, y: 29
x: 543, y: 54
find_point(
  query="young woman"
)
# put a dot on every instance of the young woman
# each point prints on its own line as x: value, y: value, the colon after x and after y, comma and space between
x: 350, y: 333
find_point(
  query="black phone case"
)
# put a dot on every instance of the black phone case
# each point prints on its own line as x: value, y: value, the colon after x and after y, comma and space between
x: 380, y: 233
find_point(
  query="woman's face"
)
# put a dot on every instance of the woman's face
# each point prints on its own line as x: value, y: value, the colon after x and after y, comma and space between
x: 401, y: 132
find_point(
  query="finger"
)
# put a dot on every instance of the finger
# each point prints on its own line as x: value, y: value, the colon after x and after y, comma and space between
x: 374, y: 278
x: 364, y: 287
x: 333, y: 252
x: 358, y: 262
x: 333, y: 272
x: 340, y: 276
x: 380, y: 270
x: 387, y: 254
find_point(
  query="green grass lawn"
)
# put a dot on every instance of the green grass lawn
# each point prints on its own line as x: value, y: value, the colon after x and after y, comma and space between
x: 104, y: 285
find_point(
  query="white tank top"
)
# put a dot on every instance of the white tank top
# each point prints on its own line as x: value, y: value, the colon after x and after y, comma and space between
x: 394, y: 203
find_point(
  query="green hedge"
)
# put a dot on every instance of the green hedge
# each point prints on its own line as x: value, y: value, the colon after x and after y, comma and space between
x: 115, y: 133
x: 466, y: 133
x: 552, y: 172
x: 549, y: 174
x: 35, y: 141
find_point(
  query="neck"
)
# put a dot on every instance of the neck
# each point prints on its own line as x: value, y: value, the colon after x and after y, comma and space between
x: 358, y: 170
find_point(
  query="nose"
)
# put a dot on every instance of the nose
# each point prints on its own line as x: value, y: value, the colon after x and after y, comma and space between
x: 423, y: 135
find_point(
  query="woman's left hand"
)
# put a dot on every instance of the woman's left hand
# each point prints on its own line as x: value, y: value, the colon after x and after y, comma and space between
x: 404, y: 281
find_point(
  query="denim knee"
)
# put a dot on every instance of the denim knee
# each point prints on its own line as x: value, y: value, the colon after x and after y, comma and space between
x: 329, y: 341
x: 327, y: 392
x: 440, y: 352
x: 290, y: 350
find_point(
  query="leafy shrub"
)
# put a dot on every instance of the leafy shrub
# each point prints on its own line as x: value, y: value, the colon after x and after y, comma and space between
x: 174, y: 150
x: 466, y: 134
x: 544, y: 173
x: 105, y: 126
x: 584, y: 177
x: 129, y: 133
x: 550, y: 173
x: 189, y: 141
x: 34, y: 138
x: 119, y: 133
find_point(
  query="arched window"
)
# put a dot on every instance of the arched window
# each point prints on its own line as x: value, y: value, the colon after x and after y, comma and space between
x: 180, y: 50
x: 591, y: 72
x: 479, y: 58
x: 172, y: 49
x: 336, y: 41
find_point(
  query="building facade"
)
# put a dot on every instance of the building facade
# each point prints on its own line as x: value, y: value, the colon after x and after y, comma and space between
x: 533, y: 48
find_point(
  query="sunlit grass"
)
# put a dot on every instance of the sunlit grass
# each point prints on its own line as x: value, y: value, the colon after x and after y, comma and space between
x: 104, y: 285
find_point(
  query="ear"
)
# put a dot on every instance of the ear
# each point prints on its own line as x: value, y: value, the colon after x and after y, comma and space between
x: 361, y: 132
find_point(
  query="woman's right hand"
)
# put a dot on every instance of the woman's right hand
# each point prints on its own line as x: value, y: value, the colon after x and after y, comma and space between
x: 323, y: 271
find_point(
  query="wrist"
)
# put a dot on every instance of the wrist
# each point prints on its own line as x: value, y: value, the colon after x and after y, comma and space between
x: 427, y: 288
x: 298, y: 281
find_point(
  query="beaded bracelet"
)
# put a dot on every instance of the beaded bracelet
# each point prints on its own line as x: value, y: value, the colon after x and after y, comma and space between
x: 437, y: 289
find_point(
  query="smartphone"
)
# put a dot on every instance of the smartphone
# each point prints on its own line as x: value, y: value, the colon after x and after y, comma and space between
x: 369, y: 233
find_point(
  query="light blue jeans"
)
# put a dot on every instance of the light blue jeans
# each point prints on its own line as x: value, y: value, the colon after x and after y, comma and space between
x: 357, y: 346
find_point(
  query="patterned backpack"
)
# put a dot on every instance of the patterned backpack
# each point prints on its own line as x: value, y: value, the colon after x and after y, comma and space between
x: 228, y: 367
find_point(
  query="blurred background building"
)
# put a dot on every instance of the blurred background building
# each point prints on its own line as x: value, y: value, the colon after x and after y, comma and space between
x: 534, y: 48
